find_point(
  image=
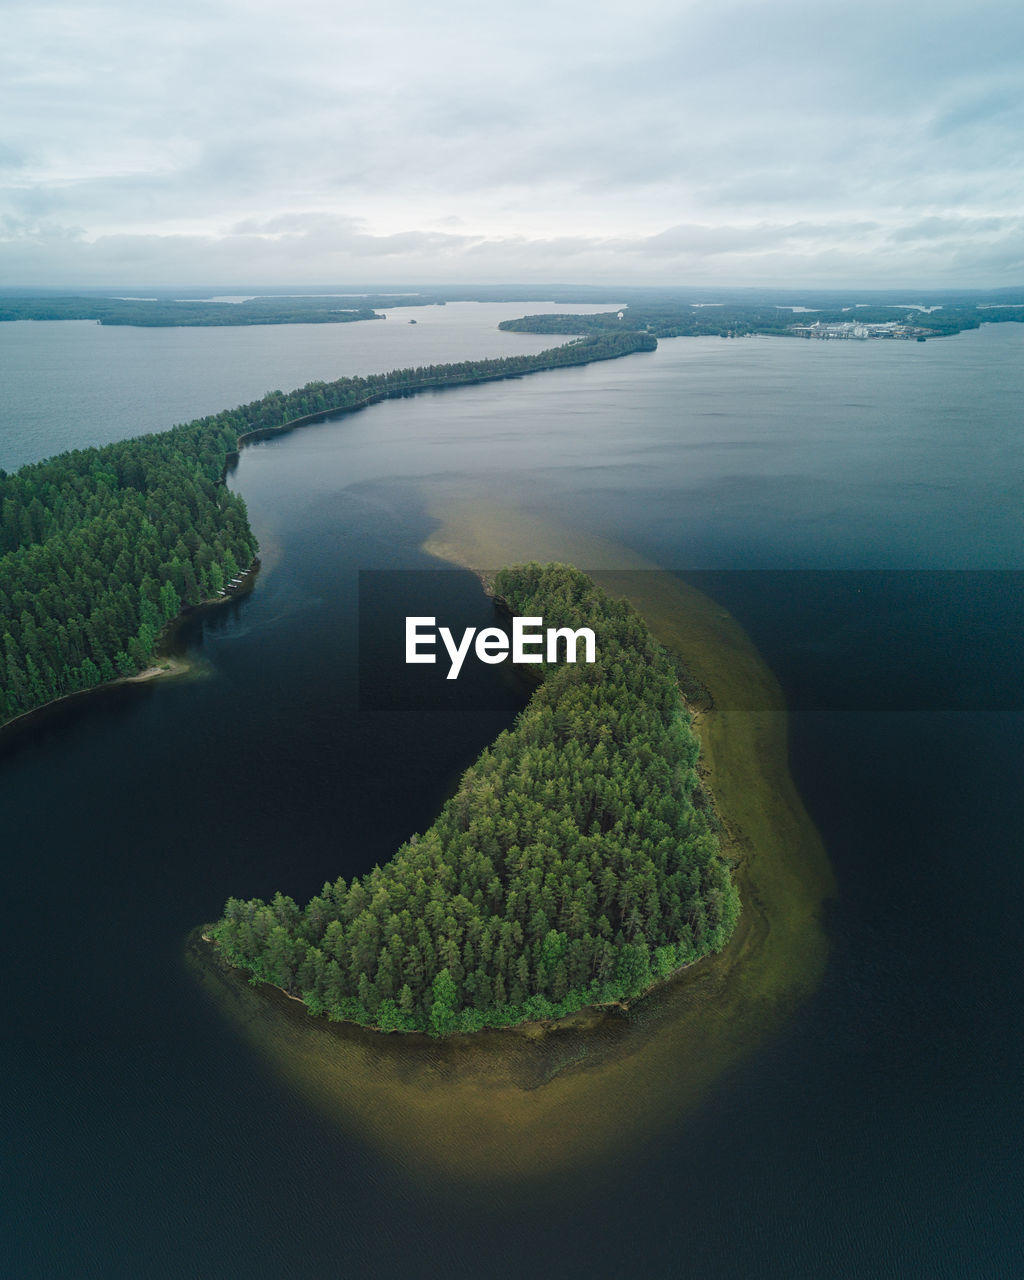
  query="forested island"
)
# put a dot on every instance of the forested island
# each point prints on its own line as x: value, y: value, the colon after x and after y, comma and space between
x: 673, y: 316
x: 100, y: 548
x: 156, y: 313
x: 576, y: 864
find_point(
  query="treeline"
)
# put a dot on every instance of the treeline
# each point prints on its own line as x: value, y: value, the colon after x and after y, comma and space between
x: 664, y: 312
x: 277, y: 409
x: 175, y: 312
x: 575, y: 864
x: 674, y: 319
x: 667, y: 320
x: 99, y: 548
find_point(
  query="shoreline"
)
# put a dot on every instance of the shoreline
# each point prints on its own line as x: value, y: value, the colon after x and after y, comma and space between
x: 172, y: 666
x: 257, y: 434
x: 165, y: 665
x: 244, y: 438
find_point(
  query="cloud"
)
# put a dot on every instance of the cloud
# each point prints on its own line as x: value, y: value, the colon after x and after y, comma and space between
x: 262, y: 138
x: 953, y: 229
x: 21, y: 230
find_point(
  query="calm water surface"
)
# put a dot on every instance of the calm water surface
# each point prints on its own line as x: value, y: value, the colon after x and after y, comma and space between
x: 877, y: 1132
x: 68, y: 384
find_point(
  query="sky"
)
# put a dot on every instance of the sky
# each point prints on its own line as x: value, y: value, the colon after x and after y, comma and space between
x: 731, y: 142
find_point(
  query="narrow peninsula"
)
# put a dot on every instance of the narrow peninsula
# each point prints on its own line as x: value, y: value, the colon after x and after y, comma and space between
x: 576, y: 864
x: 100, y: 548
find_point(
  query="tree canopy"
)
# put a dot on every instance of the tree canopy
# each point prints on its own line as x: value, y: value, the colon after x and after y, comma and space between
x: 99, y: 548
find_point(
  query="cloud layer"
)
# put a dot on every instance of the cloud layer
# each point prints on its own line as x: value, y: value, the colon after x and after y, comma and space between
x: 748, y: 142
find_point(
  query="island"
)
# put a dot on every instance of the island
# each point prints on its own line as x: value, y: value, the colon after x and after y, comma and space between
x: 101, y: 548
x: 735, y: 313
x: 202, y: 312
x: 577, y: 863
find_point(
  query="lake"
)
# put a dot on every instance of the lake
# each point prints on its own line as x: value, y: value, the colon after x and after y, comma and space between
x: 855, y: 506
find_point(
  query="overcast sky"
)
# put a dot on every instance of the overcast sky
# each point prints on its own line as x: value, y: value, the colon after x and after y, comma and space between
x: 650, y: 142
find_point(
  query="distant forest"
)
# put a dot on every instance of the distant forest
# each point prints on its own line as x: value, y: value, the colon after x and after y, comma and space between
x: 100, y: 548
x: 670, y: 318
x: 668, y: 312
x: 191, y: 313
x: 576, y: 864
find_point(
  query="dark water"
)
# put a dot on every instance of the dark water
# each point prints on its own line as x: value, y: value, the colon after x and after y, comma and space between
x: 877, y: 1132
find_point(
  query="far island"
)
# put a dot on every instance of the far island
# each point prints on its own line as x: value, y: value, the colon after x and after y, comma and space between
x: 577, y: 863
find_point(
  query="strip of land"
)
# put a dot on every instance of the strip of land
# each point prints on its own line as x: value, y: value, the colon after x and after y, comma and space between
x: 100, y: 548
